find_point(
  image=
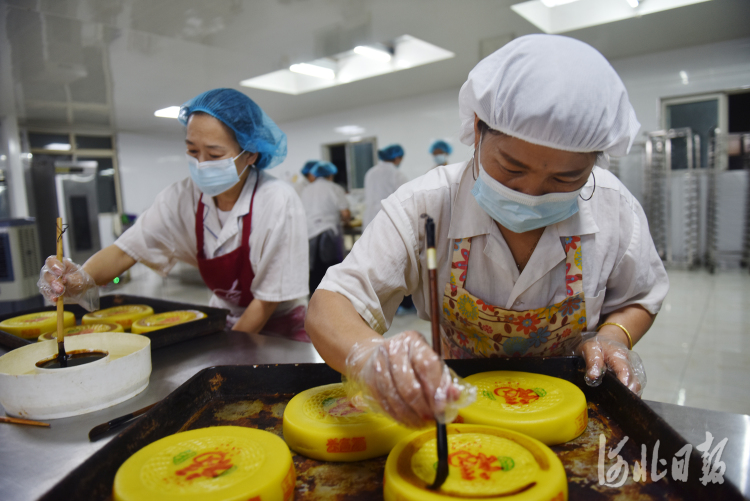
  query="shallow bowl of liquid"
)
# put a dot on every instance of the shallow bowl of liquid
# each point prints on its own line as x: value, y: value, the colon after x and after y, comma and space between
x: 104, y: 369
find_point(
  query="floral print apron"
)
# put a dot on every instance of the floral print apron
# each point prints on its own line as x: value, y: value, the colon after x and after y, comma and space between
x: 473, y: 328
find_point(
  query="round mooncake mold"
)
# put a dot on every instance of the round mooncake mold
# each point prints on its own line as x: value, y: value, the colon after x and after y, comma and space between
x: 546, y: 408
x: 321, y: 423
x: 485, y: 462
x: 33, y: 325
x: 124, y: 315
x: 82, y: 329
x: 164, y: 320
x: 228, y: 463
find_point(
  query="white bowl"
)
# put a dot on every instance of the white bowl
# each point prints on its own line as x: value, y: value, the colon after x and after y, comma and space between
x: 28, y: 392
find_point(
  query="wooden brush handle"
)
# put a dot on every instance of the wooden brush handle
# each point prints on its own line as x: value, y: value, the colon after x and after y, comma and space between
x: 60, y: 300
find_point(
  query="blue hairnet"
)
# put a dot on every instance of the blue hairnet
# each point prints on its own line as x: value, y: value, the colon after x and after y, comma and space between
x: 309, y: 166
x: 390, y: 153
x: 254, y: 130
x: 324, y: 169
x: 440, y: 144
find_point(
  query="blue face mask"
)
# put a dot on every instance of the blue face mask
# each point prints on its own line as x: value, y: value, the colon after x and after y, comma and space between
x: 441, y: 158
x: 520, y: 212
x: 214, y: 176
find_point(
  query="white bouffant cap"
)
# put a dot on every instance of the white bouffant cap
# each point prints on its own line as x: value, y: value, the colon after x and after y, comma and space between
x: 552, y: 91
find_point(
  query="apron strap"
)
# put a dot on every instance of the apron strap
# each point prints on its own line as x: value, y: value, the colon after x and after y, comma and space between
x: 199, y: 217
x: 573, y: 265
x: 460, y: 261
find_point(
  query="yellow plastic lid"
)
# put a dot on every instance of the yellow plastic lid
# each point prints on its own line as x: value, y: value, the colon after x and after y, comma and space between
x: 82, y: 329
x: 33, y: 325
x: 164, y: 320
x: 547, y: 408
x: 485, y: 462
x: 321, y: 423
x: 124, y: 315
x: 224, y: 463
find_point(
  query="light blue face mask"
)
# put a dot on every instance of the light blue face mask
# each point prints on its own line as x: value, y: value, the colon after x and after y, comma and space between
x: 517, y: 211
x: 215, y: 176
x: 441, y: 158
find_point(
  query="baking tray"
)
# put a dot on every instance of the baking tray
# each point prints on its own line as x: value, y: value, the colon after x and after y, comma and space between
x: 255, y: 396
x: 215, y: 321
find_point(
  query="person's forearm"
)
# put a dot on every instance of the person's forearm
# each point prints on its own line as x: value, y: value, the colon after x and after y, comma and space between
x: 107, y: 264
x: 334, y: 326
x: 346, y: 216
x: 255, y: 316
x: 636, y: 319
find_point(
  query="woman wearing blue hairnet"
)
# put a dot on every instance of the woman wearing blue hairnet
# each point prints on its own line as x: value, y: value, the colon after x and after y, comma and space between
x: 539, y: 251
x: 244, y: 229
x: 303, y: 181
x: 382, y: 179
x: 327, y: 208
x: 440, y: 150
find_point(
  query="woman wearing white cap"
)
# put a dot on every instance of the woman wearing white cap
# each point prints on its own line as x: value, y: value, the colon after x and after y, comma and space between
x: 540, y: 252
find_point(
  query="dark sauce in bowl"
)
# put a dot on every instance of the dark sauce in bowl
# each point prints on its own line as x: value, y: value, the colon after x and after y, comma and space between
x: 73, y: 359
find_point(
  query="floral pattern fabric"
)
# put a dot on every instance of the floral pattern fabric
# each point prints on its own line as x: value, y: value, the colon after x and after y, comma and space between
x: 472, y: 328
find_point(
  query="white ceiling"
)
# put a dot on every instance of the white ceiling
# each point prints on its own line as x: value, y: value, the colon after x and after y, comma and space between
x: 112, y: 63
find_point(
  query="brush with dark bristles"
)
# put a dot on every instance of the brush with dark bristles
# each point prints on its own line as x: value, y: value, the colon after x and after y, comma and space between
x: 99, y: 431
x: 442, y: 433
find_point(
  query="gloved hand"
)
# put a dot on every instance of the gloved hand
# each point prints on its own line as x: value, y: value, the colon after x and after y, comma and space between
x: 602, y: 353
x: 70, y: 281
x: 403, y: 377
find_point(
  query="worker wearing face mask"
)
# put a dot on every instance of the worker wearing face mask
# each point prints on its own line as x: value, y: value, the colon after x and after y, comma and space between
x: 244, y: 229
x: 539, y: 250
x: 382, y: 180
x: 440, y: 150
x: 327, y: 210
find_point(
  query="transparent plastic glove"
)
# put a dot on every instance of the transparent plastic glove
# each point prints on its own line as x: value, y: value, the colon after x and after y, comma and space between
x: 69, y: 280
x: 602, y: 354
x: 404, y: 378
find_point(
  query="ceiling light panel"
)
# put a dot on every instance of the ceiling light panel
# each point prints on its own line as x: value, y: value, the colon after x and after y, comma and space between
x: 356, y: 64
x: 566, y: 15
x: 169, y: 112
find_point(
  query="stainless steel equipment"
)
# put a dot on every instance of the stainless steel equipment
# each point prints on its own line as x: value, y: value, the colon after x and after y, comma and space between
x: 19, y: 265
x: 69, y: 190
x: 672, y: 195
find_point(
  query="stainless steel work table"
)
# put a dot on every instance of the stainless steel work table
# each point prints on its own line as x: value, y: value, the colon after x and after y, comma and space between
x: 32, y: 459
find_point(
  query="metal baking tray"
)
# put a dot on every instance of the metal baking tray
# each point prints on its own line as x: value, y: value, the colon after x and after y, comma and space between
x: 255, y: 396
x: 215, y: 321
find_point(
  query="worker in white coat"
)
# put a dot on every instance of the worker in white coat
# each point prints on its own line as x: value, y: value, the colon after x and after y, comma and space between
x: 244, y: 229
x: 327, y: 210
x: 382, y: 180
x: 539, y: 250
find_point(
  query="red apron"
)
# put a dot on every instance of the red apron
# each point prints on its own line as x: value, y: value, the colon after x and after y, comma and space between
x: 230, y: 276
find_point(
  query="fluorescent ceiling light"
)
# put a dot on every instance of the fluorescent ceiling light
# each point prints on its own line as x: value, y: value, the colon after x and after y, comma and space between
x: 555, y: 3
x: 350, y: 130
x: 569, y: 16
x: 372, y: 53
x: 170, y: 112
x: 58, y: 146
x: 313, y: 70
x: 350, y: 66
x: 684, y: 77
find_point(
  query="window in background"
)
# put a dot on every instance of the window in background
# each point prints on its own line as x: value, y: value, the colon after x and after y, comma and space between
x: 703, y: 115
x: 353, y: 159
x: 85, y: 147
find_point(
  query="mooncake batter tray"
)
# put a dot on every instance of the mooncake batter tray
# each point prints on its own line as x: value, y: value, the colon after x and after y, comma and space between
x: 255, y: 396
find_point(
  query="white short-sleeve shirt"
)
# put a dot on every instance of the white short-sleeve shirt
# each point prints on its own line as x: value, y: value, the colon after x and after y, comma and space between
x: 381, y: 181
x: 620, y: 263
x: 323, y: 201
x: 165, y: 234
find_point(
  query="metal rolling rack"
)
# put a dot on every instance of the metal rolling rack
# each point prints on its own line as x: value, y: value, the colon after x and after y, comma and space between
x: 745, y: 141
x: 658, y: 194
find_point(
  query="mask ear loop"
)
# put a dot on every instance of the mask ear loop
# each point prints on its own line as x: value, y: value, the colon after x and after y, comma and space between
x: 592, y: 191
x: 475, y: 157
